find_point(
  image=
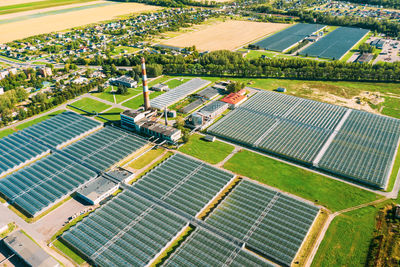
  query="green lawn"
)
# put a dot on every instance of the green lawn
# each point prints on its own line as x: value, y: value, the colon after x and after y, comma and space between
x: 124, y: 50
x: 137, y: 102
x: 346, y: 243
x: 253, y: 54
x: 108, y: 95
x: 146, y: 158
x: 212, y: 152
x: 391, y: 107
x: 176, y: 82
x: 90, y: 105
x: 112, y: 114
x: 67, y: 251
x: 4, y: 133
x: 324, y: 191
x: 11, y: 59
x: 37, y: 5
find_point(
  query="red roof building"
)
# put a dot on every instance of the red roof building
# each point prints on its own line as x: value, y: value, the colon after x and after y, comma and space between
x: 234, y: 99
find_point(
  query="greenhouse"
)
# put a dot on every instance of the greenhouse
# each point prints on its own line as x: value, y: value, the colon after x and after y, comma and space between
x: 43, y: 183
x: 36, y: 141
x: 269, y: 222
x: 184, y: 183
x: 349, y: 143
x: 128, y: 231
x: 203, y: 249
x: 106, y: 147
x: 178, y: 93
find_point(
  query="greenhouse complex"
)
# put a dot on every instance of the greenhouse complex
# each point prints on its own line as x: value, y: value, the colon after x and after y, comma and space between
x: 354, y: 144
x: 132, y: 228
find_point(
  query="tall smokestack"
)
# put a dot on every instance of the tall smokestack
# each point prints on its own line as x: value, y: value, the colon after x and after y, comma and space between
x: 145, y: 87
x: 166, y: 116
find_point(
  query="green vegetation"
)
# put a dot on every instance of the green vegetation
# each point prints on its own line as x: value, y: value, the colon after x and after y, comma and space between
x: 144, y: 160
x: 395, y: 170
x: 391, y: 107
x: 37, y: 5
x: 90, y: 105
x: 40, y: 119
x: 137, y: 102
x: 212, y: 152
x: 124, y: 50
x: 11, y: 59
x: 111, y: 91
x: 254, y: 54
x: 67, y: 251
x: 176, y: 82
x: 112, y: 114
x: 4, y: 133
x: 324, y: 191
x: 347, y: 241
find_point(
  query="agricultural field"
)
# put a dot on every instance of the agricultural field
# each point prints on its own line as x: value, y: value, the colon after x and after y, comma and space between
x: 61, y: 19
x: 212, y: 152
x: 282, y: 40
x: 329, y: 193
x: 26, y: 5
x: 336, y: 44
x: 224, y: 35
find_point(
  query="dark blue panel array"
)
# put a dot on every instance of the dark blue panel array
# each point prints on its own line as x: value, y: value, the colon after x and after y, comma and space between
x: 289, y: 37
x: 34, y: 141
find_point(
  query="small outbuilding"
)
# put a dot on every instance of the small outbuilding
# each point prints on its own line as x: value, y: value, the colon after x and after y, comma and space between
x: 160, y: 87
x: 280, y: 90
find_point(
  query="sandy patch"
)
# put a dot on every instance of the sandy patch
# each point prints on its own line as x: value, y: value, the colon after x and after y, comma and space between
x: 225, y: 35
x: 36, y: 11
x: 16, y: 2
x: 47, y: 24
x: 359, y: 102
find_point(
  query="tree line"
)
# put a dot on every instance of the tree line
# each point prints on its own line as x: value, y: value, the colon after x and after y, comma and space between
x: 227, y: 63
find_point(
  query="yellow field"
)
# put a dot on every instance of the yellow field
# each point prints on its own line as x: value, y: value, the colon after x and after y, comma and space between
x: 22, y: 29
x: 15, y: 2
x: 225, y: 35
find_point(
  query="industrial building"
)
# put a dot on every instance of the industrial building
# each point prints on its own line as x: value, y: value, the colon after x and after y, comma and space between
x: 235, y: 99
x: 208, y: 93
x: 206, y: 115
x: 124, y: 81
x: 160, y: 87
x: 145, y: 122
x: 31, y: 253
x: 97, y: 190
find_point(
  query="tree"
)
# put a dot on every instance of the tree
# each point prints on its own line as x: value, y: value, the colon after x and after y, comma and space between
x: 122, y: 90
x: 235, y: 87
x: 100, y: 88
x: 186, y: 136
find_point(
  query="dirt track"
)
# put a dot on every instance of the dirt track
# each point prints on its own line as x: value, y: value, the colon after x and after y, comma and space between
x: 225, y: 35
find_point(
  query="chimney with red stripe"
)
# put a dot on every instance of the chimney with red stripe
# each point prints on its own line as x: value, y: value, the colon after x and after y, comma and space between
x: 145, y: 87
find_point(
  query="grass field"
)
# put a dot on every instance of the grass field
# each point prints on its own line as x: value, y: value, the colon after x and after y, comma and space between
x: 124, y: 50
x: 146, y: 158
x: 90, y: 105
x: 321, y: 190
x: 6, y: 132
x: 176, y: 82
x: 212, y: 152
x: 137, y: 102
x: 226, y: 35
x: 391, y: 107
x: 108, y: 95
x: 112, y: 114
x: 254, y: 54
x: 346, y: 243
